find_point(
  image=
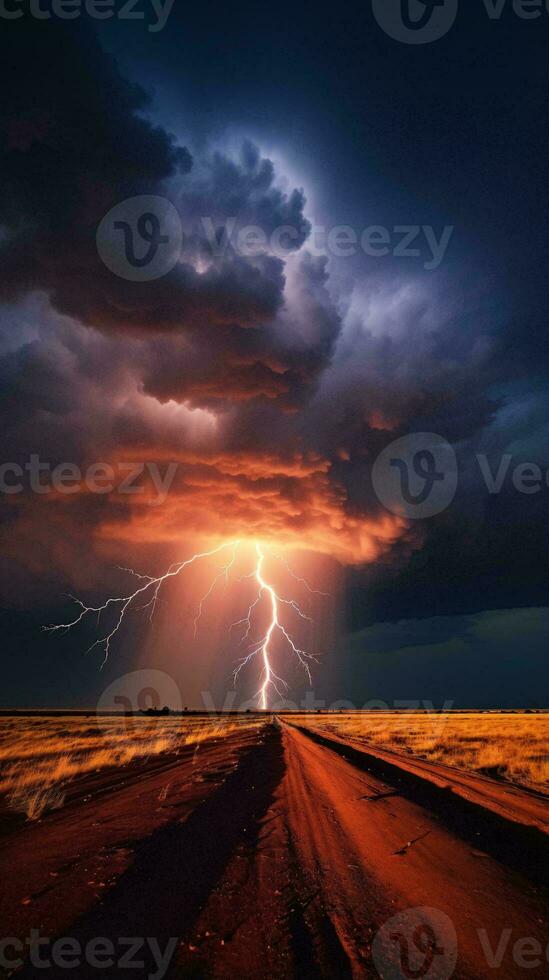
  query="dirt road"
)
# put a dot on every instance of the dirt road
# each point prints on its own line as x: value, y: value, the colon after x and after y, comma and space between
x: 279, y: 857
x: 373, y: 851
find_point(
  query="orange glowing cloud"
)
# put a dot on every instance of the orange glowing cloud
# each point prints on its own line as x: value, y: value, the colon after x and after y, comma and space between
x: 292, y: 502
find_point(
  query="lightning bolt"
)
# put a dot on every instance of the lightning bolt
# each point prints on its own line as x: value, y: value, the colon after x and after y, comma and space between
x: 149, y: 590
x: 262, y: 647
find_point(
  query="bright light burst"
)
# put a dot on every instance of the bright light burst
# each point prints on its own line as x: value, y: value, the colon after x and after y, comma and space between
x: 266, y: 596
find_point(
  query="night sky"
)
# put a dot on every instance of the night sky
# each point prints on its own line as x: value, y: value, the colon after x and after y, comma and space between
x: 275, y: 380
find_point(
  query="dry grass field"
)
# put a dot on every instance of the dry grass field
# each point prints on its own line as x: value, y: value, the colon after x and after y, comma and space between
x: 41, y: 756
x: 266, y: 851
x: 511, y: 746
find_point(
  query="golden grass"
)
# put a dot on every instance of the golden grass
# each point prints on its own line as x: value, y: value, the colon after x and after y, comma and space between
x: 41, y: 756
x: 508, y: 746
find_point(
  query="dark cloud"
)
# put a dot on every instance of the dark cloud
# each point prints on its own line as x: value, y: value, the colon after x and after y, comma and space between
x: 78, y: 144
x: 273, y: 379
x: 461, y: 661
x: 278, y: 360
x: 245, y: 188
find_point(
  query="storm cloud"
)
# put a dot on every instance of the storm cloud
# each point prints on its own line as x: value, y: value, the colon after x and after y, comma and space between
x: 273, y: 380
